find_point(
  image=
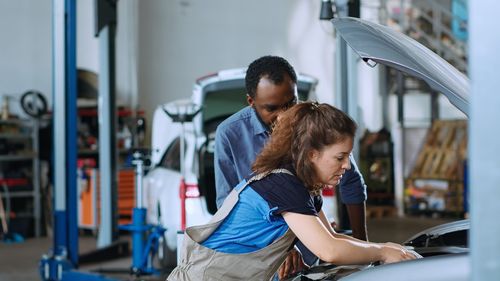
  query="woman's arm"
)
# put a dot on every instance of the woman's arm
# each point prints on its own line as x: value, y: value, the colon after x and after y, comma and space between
x: 340, y: 249
x: 326, y: 223
x: 328, y: 226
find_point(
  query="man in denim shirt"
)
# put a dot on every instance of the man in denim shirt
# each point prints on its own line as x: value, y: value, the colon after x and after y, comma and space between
x: 271, y: 84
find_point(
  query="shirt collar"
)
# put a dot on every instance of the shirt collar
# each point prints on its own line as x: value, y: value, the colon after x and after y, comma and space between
x: 257, y: 125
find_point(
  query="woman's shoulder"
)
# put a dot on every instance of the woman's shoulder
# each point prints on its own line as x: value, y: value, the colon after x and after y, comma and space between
x: 285, y: 175
x: 286, y: 193
x: 285, y: 182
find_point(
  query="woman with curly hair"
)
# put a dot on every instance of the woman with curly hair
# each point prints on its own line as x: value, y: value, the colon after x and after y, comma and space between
x: 250, y: 235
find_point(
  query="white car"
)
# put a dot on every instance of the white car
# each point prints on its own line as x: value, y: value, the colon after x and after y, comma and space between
x: 218, y: 96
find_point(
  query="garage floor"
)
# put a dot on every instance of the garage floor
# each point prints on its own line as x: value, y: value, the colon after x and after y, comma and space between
x: 19, y: 262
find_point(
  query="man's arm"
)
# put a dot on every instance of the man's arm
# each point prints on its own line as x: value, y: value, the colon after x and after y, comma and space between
x: 357, y: 217
x: 224, y: 167
x: 353, y: 195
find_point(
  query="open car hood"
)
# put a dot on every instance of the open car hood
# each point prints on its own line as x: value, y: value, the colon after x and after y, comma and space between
x: 381, y: 44
x: 443, y: 247
x: 456, y: 227
x: 445, y: 238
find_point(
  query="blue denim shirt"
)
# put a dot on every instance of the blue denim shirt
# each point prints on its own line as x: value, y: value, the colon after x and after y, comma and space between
x: 238, y: 141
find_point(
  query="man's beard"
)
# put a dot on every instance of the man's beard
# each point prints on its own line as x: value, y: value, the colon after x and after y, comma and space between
x: 268, y: 128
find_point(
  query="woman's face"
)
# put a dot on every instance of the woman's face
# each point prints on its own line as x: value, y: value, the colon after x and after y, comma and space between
x: 332, y: 162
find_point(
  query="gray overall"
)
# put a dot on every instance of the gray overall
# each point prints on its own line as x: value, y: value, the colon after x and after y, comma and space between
x: 201, y: 263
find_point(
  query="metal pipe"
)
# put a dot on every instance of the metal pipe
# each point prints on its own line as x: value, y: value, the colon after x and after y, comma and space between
x: 139, y: 172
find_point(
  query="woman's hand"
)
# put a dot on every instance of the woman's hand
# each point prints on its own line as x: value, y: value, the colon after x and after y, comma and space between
x: 392, y: 252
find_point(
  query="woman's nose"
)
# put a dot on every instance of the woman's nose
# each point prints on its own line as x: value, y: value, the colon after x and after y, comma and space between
x: 347, y: 164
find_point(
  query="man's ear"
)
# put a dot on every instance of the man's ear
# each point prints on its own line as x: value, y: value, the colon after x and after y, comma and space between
x: 249, y: 100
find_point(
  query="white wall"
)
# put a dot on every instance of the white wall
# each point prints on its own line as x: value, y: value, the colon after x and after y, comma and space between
x: 25, y: 49
x: 369, y: 97
x: 87, y: 53
x: 180, y: 41
x: 126, y: 45
x: 163, y: 46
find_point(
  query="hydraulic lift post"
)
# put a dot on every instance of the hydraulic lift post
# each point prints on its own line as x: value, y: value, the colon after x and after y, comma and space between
x: 62, y: 260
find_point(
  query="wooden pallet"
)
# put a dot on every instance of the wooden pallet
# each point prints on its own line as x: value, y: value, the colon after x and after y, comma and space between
x: 443, y: 152
x: 440, y: 161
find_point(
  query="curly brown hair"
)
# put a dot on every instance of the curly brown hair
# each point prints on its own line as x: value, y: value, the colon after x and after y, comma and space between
x: 299, y: 130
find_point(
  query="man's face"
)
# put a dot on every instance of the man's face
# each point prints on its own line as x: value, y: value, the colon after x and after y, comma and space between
x: 271, y: 99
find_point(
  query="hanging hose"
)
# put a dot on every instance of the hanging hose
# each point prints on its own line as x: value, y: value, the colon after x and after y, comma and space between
x: 7, y: 201
x: 4, y: 215
x: 3, y: 218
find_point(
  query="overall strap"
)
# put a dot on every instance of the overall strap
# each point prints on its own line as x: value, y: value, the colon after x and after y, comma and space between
x: 233, y: 196
x: 263, y: 175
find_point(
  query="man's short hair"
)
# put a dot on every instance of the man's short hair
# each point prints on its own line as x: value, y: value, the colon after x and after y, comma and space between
x: 272, y: 67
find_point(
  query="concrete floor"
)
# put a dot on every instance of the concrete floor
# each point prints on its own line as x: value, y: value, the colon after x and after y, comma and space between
x: 19, y: 262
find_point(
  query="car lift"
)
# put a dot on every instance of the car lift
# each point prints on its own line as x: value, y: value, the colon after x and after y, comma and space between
x: 142, y: 254
x: 61, y: 263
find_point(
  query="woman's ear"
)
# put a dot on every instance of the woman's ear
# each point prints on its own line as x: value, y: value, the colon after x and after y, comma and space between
x: 313, y: 155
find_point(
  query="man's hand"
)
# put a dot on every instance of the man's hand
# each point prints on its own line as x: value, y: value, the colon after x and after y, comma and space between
x: 293, y: 264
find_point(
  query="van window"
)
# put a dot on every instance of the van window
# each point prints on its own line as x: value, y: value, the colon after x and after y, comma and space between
x: 223, y: 103
x: 303, y: 94
x: 171, y: 158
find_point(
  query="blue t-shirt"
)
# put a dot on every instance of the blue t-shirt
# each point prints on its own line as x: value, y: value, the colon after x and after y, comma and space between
x: 256, y: 220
